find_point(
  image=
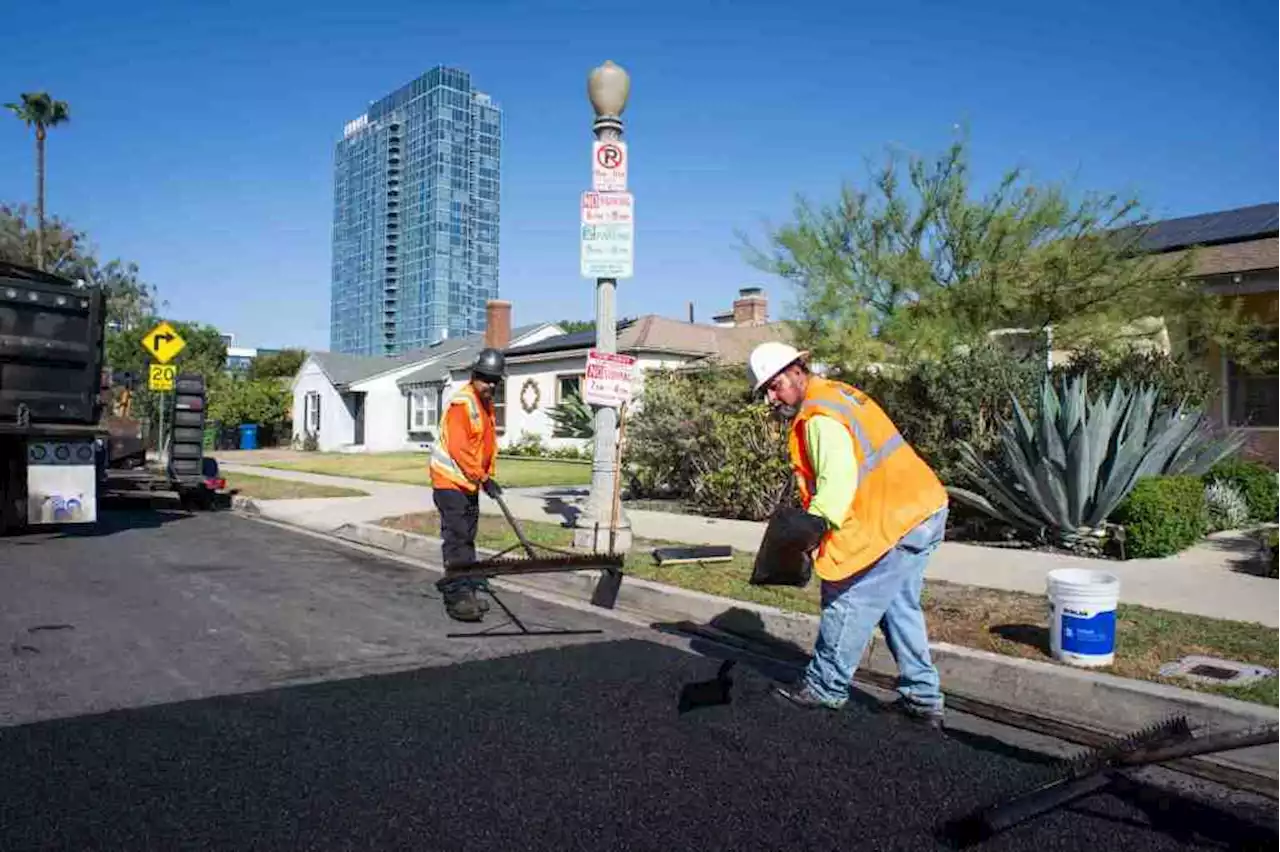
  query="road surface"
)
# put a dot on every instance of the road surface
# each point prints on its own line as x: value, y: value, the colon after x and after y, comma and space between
x: 211, y: 682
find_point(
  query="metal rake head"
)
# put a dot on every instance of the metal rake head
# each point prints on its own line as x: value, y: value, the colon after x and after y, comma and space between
x: 1170, y: 730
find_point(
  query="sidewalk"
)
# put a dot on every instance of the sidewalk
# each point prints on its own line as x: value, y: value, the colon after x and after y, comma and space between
x: 1199, y: 581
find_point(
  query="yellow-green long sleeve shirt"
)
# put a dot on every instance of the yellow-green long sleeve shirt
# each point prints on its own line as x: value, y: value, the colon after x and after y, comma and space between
x: 835, y: 467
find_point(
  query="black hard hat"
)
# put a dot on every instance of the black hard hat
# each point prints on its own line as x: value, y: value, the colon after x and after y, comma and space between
x: 491, y: 364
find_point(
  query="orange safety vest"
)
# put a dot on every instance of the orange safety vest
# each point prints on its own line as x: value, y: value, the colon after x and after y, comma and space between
x: 896, y: 489
x: 481, y: 439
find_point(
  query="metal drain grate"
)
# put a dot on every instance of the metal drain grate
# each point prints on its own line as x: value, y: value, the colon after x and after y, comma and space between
x: 1215, y: 672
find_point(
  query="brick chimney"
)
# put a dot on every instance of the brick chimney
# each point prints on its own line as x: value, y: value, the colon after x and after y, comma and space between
x: 497, y: 324
x: 751, y: 307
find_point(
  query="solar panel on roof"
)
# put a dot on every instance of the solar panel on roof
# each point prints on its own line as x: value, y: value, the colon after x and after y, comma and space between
x: 1226, y: 226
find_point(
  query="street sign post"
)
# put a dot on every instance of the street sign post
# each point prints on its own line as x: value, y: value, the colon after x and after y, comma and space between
x: 160, y: 376
x: 608, y: 235
x: 163, y: 342
x: 609, y: 380
x: 609, y: 166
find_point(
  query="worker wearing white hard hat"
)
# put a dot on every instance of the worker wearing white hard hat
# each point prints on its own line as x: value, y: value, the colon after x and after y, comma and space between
x: 873, y: 513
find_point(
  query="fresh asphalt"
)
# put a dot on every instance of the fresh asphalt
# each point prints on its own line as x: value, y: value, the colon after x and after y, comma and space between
x: 205, y: 681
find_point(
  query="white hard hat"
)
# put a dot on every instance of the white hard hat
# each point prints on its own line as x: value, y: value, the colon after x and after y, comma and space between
x: 769, y: 359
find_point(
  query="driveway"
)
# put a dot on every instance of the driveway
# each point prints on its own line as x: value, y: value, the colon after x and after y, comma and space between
x: 212, y: 682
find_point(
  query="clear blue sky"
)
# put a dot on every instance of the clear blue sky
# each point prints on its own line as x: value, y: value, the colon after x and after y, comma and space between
x: 202, y: 134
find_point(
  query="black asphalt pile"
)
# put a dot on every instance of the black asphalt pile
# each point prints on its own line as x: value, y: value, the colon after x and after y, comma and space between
x: 577, y: 748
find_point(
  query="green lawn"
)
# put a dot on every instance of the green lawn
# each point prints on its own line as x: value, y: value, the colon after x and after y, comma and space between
x: 411, y: 468
x: 1010, y: 623
x: 270, y: 488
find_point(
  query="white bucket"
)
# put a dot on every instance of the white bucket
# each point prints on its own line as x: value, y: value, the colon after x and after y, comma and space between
x: 1082, y: 616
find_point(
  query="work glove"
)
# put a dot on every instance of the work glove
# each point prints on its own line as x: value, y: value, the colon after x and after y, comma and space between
x: 491, y: 488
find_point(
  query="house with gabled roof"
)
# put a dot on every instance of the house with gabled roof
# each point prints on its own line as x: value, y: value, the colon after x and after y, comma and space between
x: 360, y: 403
x: 542, y: 374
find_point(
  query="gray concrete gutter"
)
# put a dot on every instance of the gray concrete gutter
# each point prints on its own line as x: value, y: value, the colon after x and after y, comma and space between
x: 1100, y: 702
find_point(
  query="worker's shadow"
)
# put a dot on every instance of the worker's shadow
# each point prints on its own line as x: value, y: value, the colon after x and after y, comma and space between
x: 739, y: 639
x: 554, y: 505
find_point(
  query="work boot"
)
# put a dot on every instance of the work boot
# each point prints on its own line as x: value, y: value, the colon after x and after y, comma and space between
x: 462, y: 605
x: 927, y: 716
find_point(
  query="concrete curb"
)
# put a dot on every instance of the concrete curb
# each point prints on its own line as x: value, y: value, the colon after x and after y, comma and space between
x: 245, y: 504
x: 1105, y: 703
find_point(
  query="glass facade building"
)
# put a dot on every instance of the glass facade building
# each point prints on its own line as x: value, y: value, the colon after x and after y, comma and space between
x: 415, y: 217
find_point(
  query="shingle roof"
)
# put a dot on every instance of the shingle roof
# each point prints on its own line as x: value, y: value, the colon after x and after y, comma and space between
x: 343, y: 369
x: 653, y: 333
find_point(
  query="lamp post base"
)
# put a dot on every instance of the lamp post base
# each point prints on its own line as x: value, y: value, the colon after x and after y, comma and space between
x: 588, y: 534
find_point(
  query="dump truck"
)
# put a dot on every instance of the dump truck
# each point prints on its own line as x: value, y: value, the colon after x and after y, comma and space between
x: 63, y: 440
x: 51, y: 355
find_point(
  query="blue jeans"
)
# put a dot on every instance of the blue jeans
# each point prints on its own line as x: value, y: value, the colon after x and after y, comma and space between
x: 887, y: 594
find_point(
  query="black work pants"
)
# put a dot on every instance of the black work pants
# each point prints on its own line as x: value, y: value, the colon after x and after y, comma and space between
x: 459, y: 518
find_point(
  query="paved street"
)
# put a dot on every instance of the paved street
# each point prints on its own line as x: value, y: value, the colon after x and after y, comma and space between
x: 211, y: 682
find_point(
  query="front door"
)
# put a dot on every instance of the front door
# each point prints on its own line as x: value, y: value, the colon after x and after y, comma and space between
x: 356, y: 403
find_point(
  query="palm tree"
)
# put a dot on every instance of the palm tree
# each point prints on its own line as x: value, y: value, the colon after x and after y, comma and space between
x: 40, y: 111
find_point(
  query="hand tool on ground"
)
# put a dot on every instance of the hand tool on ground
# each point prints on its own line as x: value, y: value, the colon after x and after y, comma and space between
x: 1094, y: 770
x: 708, y: 693
x: 557, y: 560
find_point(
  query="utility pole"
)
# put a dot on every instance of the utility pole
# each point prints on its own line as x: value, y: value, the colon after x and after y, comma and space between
x: 608, y: 87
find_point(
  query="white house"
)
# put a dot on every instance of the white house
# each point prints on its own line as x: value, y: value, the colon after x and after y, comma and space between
x: 356, y: 403
x: 369, y: 404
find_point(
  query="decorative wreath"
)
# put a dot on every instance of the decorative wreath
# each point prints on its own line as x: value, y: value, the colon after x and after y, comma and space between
x: 529, y: 395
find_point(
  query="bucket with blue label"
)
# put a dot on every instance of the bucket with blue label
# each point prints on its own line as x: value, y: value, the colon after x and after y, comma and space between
x: 1082, y: 616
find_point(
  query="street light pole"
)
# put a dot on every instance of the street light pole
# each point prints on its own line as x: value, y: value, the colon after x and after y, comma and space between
x: 608, y: 86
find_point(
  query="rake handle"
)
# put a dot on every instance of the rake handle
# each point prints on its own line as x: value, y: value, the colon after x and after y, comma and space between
x: 524, y: 542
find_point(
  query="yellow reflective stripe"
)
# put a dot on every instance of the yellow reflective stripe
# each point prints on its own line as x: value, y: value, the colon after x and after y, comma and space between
x: 871, y: 457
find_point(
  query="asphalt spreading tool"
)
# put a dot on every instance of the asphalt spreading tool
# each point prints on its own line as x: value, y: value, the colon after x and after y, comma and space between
x: 1094, y: 770
x: 684, y: 555
x: 708, y: 693
x: 556, y: 560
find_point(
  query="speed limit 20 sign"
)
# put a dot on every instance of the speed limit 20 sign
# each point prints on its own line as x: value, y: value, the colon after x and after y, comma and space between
x: 160, y: 377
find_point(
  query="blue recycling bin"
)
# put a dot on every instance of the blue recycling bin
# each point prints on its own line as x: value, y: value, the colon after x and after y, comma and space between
x: 248, y: 436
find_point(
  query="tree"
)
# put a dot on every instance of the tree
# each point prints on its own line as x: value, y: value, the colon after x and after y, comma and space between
x: 574, y: 326
x: 39, y: 111
x: 284, y: 364
x: 917, y: 263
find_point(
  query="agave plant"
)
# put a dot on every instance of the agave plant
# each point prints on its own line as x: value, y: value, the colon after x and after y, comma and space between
x: 573, y: 418
x: 1064, y: 474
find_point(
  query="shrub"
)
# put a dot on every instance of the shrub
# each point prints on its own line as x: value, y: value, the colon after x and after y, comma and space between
x: 1256, y: 482
x: 1176, y: 379
x: 743, y: 471
x: 672, y: 427
x: 529, y: 444
x: 1162, y: 515
x: 960, y: 397
x: 1225, y: 505
x: 1271, y: 553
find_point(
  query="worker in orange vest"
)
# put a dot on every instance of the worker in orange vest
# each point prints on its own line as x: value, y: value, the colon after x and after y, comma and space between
x: 463, y: 462
x: 874, y: 512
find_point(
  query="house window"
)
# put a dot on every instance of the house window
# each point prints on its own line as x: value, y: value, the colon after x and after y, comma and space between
x: 424, y: 409
x: 1251, y: 394
x: 311, y: 412
x: 500, y: 407
x: 567, y: 386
